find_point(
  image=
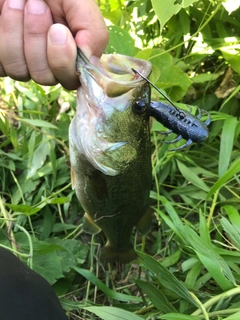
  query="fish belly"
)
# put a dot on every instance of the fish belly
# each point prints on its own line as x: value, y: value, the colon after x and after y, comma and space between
x: 114, y: 204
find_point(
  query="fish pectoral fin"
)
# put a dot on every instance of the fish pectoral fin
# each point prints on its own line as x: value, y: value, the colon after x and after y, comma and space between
x: 73, y: 178
x: 145, y: 223
x: 89, y: 226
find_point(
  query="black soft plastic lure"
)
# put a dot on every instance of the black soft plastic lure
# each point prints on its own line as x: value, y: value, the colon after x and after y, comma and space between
x: 186, y: 125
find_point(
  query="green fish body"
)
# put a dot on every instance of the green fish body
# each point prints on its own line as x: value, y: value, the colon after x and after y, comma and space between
x: 110, y: 151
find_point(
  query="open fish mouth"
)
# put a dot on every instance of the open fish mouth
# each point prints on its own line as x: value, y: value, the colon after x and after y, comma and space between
x: 114, y: 72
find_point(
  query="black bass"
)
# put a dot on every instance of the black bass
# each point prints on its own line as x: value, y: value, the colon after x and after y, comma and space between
x: 110, y: 151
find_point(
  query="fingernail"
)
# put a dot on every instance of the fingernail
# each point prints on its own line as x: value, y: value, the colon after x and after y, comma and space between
x: 36, y: 6
x: 16, y: 4
x: 58, y: 34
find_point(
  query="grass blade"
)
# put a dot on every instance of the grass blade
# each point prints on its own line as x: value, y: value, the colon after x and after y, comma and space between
x: 232, y: 230
x: 38, y: 123
x: 174, y: 316
x: 112, y: 313
x: 226, y: 146
x: 157, y: 298
x: 210, y: 258
x: 235, y: 167
x: 110, y: 293
x: 233, y: 215
x: 192, y: 177
x: 165, y: 277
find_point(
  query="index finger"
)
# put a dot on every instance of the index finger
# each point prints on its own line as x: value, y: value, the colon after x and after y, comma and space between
x: 85, y: 21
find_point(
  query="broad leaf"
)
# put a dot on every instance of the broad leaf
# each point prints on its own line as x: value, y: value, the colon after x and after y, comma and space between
x: 112, y: 313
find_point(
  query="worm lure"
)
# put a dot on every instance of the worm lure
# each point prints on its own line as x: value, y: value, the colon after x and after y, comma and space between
x: 183, y: 123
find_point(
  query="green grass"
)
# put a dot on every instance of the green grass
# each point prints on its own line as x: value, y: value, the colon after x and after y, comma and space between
x: 188, y: 266
x: 191, y: 260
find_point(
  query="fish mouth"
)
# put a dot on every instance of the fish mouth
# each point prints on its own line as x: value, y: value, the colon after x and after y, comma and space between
x: 113, y: 72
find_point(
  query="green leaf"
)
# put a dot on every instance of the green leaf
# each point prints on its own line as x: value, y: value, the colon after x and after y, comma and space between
x: 110, y: 293
x: 59, y: 227
x: 23, y: 208
x: 232, y: 56
x: 194, y: 271
x: 170, y: 76
x: 59, y: 200
x: 38, y: 123
x: 189, y: 175
x: 43, y: 247
x: 165, y: 277
x: 112, y: 313
x: 146, y: 54
x: 204, y: 77
x: 40, y: 155
x: 74, y: 253
x: 25, y: 186
x: 235, y: 316
x: 227, y: 100
x: 232, y: 230
x: 165, y: 9
x: 157, y: 298
x: 227, y: 138
x: 174, y: 316
x: 14, y: 138
x: 172, y: 219
x: 10, y: 155
x: 31, y: 146
x: 233, y: 215
x: 235, y: 167
x: 120, y: 41
x: 210, y: 258
x: 27, y: 92
x: 206, y: 252
x: 155, y: 74
x: 70, y: 305
x: 48, y: 266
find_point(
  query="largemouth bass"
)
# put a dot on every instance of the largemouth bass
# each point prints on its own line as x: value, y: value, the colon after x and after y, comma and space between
x: 110, y: 151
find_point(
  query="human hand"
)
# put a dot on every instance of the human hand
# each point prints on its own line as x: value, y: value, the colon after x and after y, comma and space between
x: 38, y: 39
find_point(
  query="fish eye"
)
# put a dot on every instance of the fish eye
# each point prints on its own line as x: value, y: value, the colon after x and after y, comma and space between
x: 139, y: 107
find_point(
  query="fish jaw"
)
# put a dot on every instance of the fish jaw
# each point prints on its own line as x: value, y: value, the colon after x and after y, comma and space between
x: 104, y: 98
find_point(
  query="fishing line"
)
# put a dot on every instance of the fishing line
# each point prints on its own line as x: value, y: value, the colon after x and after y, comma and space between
x: 158, y: 90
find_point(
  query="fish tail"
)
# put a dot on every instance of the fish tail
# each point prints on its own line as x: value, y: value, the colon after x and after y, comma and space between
x: 110, y: 254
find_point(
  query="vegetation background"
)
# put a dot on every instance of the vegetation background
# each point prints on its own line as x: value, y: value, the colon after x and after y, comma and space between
x: 188, y: 265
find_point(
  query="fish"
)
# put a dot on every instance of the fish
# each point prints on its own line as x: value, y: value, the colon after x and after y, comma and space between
x: 110, y: 151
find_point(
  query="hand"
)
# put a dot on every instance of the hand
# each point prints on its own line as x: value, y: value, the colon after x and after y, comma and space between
x: 38, y: 39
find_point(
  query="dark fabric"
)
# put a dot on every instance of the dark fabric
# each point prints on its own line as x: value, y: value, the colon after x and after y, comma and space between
x: 24, y: 294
